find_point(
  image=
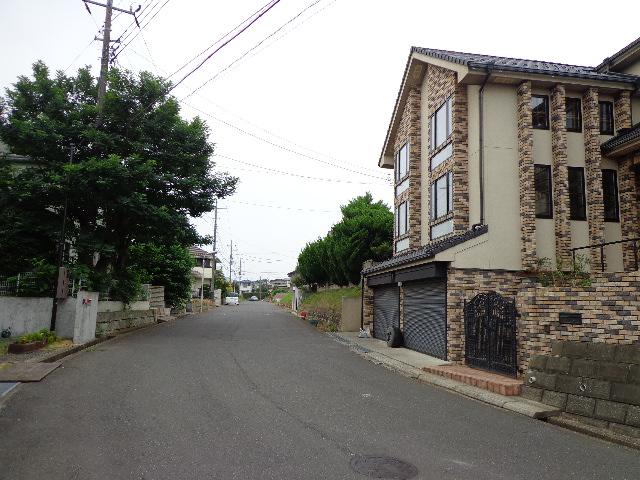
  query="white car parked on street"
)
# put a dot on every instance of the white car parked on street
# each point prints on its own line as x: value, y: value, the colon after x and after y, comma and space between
x: 232, y: 298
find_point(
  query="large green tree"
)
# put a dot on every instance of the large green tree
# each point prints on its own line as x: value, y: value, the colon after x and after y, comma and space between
x: 365, y: 232
x: 136, y: 177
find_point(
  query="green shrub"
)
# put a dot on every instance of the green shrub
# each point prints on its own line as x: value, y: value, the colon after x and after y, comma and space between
x: 39, y: 336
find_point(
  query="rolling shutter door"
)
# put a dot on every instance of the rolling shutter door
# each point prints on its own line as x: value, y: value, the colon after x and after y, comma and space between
x: 386, y: 311
x: 425, y: 324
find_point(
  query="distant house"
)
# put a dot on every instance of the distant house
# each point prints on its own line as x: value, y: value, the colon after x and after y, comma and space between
x: 280, y: 283
x: 246, y: 286
x: 202, y: 272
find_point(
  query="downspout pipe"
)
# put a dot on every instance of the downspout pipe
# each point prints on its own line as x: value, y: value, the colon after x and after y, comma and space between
x: 481, y: 142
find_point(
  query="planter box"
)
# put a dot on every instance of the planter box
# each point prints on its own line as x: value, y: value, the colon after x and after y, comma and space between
x: 26, y: 347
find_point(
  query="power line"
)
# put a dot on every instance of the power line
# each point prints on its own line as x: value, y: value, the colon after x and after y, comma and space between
x: 218, y: 40
x: 141, y: 28
x: 272, y: 4
x: 280, y: 207
x: 292, y: 19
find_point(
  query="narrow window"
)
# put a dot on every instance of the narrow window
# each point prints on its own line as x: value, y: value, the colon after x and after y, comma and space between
x: 543, y: 191
x: 573, y: 107
x: 606, y: 118
x: 610, y: 195
x: 540, y: 111
x: 402, y: 163
x: 402, y: 222
x: 442, y: 196
x: 441, y: 124
x: 577, y: 198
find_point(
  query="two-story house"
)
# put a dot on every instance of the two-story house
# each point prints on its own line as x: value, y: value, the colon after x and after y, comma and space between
x: 500, y: 163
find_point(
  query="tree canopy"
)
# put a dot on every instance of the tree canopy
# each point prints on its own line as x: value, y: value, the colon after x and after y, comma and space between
x: 364, y: 233
x: 135, y: 179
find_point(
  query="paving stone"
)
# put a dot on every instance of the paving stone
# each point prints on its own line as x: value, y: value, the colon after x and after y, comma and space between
x: 556, y: 399
x: 626, y: 393
x: 601, y: 351
x: 582, y: 367
x: 575, y: 349
x: 580, y: 405
x: 540, y: 380
x: 633, y: 416
x: 538, y: 362
x: 568, y: 384
x: 610, y: 411
x: 596, y: 388
x: 27, y: 372
x: 614, y: 372
x: 628, y: 354
x: 559, y: 365
x: 532, y: 393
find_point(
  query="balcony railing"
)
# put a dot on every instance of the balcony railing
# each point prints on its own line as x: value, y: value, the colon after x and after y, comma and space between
x: 633, y: 241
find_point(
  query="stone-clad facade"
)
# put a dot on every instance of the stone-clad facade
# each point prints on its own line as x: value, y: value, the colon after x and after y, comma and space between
x: 527, y: 179
x: 560, y: 174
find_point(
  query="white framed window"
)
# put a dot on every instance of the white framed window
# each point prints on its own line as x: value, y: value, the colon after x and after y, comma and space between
x: 441, y: 124
x: 402, y: 219
x: 402, y: 162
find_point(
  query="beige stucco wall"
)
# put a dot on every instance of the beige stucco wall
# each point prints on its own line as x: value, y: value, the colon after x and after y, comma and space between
x: 500, y: 247
x: 633, y: 69
x: 635, y: 109
x: 424, y: 180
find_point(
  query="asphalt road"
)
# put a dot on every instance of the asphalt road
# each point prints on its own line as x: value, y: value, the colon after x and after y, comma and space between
x: 251, y: 392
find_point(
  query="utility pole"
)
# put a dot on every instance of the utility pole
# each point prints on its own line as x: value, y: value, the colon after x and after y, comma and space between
x: 215, y: 232
x: 230, y: 265
x: 106, y: 44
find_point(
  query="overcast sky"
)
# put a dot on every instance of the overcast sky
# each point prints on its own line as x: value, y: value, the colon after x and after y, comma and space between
x: 315, y: 96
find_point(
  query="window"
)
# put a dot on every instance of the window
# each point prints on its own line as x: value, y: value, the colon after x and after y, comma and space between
x: 543, y: 191
x: 610, y: 195
x: 540, y: 111
x: 402, y: 163
x: 606, y: 118
x: 402, y: 219
x: 573, y: 107
x: 442, y: 196
x: 442, y: 156
x: 577, y: 198
x: 441, y: 124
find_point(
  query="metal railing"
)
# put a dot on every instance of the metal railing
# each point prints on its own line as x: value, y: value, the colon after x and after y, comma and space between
x: 13, y: 285
x: 601, y: 246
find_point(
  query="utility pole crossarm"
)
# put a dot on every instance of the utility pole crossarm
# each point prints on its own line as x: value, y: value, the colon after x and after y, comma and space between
x: 128, y: 12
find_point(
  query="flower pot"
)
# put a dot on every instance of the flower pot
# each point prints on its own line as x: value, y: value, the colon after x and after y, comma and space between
x: 26, y: 347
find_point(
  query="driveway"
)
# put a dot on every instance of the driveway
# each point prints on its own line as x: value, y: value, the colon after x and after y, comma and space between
x: 250, y: 392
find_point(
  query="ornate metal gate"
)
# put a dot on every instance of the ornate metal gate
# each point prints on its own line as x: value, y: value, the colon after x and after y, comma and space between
x: 490, y: 329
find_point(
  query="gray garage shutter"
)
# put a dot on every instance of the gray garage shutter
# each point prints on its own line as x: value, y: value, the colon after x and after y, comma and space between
x: 386, y: 311
x: 425, y: 324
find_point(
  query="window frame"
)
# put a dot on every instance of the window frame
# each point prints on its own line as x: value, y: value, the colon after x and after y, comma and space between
x: 537, y: 167
x: 400, y: 179
x: 610, y: 109
x: 582, y: 215
x: 545, y: 102
x: 573, y: 100
x: 448, y: 176
x: 406, y: 218
x: 616, y: 196
x: 433, y: 124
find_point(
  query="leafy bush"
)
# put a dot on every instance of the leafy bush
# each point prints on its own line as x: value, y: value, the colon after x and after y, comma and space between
x: 39, y: 336
x: 573, y: 275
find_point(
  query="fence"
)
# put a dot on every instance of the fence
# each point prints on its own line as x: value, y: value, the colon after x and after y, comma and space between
x: 20, y: 284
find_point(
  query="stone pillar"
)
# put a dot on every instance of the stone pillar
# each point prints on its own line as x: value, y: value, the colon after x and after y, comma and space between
x: 461, y: 159
x: 561, y: 210
x: 415, y: 170
x: 367, y: 314
x: 622, y: 110
x: 593, y: 160
x: 629, y: 185
x: 527, y: 178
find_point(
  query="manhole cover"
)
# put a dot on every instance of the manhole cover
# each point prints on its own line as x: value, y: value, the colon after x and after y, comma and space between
x: 383, y: 467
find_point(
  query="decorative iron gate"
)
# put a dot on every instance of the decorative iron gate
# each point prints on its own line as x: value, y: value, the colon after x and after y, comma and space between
x: 490, y: 329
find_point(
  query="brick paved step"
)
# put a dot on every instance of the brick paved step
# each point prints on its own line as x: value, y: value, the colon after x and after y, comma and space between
x: 478, y: 378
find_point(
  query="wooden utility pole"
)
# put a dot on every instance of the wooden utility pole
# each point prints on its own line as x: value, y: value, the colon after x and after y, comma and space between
x: 215, y: 233
x: 230, y: 264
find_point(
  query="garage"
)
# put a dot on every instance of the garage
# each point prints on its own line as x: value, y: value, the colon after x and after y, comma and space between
x: 386, y: 310
x: 425, y: 320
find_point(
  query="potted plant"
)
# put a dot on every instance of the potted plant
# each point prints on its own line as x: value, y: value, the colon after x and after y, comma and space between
x: 32, y: 341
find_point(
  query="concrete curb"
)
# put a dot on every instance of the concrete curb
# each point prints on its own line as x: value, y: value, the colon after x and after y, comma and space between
x: 517, y: 405
x: 592, y: 431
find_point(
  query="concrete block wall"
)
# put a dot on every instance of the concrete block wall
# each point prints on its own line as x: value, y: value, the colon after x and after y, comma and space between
x: 597, y: 382
x: 111, y: 322
x: 25, y: 314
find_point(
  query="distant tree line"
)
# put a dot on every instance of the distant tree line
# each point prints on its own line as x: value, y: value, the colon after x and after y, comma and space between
x: 364, y: 233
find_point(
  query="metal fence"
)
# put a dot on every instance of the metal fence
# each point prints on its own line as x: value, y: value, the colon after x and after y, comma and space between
x: 15, y: 285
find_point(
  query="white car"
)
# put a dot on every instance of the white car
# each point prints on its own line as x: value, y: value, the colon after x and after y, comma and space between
x: 232, y: 298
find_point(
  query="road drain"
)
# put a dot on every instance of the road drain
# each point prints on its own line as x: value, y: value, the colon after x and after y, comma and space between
x: 383, y: 467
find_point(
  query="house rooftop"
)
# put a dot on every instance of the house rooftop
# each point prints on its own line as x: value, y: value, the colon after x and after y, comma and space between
x: 475, y: 60
x: 623, y: 139
x: 198, y: 252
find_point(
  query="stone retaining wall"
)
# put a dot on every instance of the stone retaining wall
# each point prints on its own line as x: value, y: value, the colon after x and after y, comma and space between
x: 111, y: 322
x: 598, y: 382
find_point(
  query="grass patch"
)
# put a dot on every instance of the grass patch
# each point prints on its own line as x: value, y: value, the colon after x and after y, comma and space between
x: 329, y: 299
x: 287, y: 299
x: 4, y: 345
